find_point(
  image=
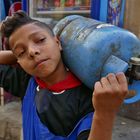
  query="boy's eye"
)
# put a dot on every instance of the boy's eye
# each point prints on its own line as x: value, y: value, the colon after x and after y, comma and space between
x: 20, y: 54
x: 41, y: 40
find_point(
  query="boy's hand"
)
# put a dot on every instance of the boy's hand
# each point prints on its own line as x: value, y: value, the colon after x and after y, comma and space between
x: 109, y: 93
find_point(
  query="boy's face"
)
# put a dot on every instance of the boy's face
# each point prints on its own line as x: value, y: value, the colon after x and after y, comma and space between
x: 36, y: 50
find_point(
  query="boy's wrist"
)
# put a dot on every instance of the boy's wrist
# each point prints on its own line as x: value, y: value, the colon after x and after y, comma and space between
x: 104, y: 115
x: 102, y: 122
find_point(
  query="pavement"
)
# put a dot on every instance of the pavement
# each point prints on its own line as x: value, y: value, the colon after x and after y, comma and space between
x: 11, y: 125
x: 126, y: 129
x: 10, y: 121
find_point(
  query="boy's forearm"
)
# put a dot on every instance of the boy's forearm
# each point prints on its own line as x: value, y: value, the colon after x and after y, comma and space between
x: 7, y: 57
x: 102, y: 127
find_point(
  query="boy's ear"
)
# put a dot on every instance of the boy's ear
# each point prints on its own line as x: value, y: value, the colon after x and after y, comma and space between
x: 58, y: 42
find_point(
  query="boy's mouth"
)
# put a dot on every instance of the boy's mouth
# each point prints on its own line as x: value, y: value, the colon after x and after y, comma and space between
x: 38, y: 63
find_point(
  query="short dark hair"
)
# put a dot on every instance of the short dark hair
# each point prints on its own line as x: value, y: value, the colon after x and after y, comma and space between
x: 18, y: 19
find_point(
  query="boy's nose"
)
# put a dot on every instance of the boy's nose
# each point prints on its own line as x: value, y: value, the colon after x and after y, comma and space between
x: 33, y: 51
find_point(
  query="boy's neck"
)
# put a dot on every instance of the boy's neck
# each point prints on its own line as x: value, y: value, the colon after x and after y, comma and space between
x: 56, y: 76
x: 69, y: 82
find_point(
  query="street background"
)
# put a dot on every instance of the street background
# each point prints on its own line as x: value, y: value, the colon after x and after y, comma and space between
x: 11, y: 124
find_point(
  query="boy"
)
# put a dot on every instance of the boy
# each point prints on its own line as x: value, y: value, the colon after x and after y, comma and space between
x: 57, y: 106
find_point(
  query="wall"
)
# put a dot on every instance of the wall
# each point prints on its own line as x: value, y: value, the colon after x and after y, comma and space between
x: 132, y: 16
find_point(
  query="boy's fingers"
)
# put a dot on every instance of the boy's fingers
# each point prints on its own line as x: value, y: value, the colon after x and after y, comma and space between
x: 112, y: 79
x: 123, y: 83
x: 104, y: 82
x: 121, y: 79
x: 97, y: 87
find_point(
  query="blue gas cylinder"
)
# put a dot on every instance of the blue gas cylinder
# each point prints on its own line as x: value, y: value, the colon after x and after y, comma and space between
x: 92, y: 49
